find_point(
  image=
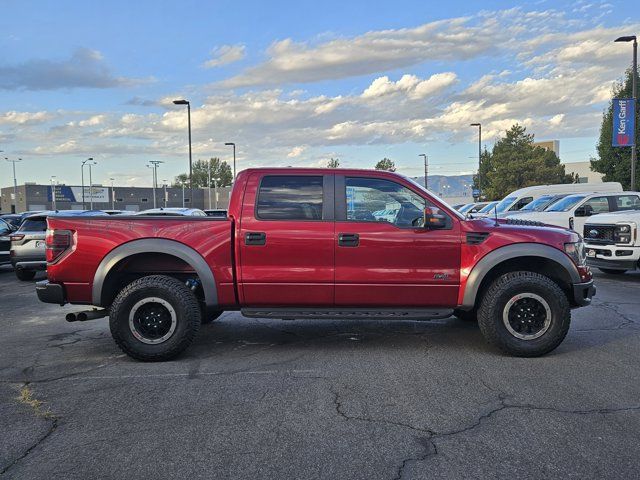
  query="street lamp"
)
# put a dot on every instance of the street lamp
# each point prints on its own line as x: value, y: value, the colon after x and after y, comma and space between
x: 53, y: 192
x: 634, y: 94
x: 88, y: 160
x: 164, y: 184
x: 113, y: 196
x: 479, y: 149
x: 426, y: 168
x: 154, y: 166
x: 15, y: 183
x: 229, y: 144
x: 186, y: 102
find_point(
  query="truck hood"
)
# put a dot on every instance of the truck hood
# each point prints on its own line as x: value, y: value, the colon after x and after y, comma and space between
x: 615, y: 217
x: 514, y: 232
x: 559, y: 219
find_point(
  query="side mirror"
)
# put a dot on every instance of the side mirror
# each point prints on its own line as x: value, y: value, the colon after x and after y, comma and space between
x: 434, y: 220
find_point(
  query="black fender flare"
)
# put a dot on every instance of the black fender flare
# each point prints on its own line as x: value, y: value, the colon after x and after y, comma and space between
x: 508, y: 252
x: 156, y: 245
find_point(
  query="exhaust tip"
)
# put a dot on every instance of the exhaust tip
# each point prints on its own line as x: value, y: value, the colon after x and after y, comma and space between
x: 71, y: 317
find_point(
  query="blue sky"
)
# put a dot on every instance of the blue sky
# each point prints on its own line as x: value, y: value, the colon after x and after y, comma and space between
x: 295, y: 83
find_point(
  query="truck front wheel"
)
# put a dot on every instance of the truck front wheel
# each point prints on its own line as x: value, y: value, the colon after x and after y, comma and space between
x: 524, y: 314
x: 154, y: 318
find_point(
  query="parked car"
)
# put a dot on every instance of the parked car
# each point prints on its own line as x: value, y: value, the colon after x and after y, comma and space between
x: 289, y: 248
x: 487, y: 210
x: 573, y: 210
x: 188, y: 212
x: 518, y: 199
x: 466, y: 208
x: 612, y: 242
x: 28, y: 242
x: 540, y: 204
x: 16, y: 219
x: 216, y: 213
x: 5, y: 241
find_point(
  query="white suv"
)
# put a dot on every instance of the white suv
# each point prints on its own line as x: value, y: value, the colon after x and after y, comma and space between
x: 612, y: 242
x: 573, y: 211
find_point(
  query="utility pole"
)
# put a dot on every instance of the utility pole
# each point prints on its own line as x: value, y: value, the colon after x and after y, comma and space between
x: 166, y: 198
x: 15, y: 184
x: 426, y: 169
x: 154, y: 166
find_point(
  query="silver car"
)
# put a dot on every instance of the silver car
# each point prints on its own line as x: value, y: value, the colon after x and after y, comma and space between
x: 27, y: 253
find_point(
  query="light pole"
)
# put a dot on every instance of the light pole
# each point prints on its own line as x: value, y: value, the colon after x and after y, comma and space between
x: 634, y: 94
x: 479, y: 125
x: 215, y: 192
x: 234, y: 158
x: 90, y: 159
x: 53, y: 192
x: 154, y: 166
x: 183, y: 194
x: 186, y: 102
x: 15, y: 183
x: 90, y: 162
x: 164, y: 184
x: 113, y: 196
x: 426, y: 169
x: 209, y: 183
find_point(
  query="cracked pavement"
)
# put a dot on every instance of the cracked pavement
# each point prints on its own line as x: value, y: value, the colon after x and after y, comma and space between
x: 322, y: 399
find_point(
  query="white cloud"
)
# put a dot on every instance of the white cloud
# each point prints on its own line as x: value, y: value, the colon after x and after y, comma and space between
x: 224, y: 55
x: 22, y: 118
x: 296, y: 152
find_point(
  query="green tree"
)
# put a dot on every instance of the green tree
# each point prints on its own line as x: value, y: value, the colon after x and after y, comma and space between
x: 486, y: 169
x: 333, y: 163
x: 219, y: 170
x: 515, y: 163
x: 386, y: 164
x: 615, y: 162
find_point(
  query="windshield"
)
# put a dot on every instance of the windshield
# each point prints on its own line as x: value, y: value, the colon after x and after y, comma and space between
x: 466, y: 208
x: 565, y: 204
x: 538, y: 204
x: 505, y: 203
x: 489, y: 207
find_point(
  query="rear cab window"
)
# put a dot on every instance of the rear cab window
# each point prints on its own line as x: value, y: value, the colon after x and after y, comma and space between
x: 290, y: 197
x: 627, y: 202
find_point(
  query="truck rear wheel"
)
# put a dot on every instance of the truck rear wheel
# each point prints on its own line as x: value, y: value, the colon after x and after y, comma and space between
x: 524, y: 314
x: 25, y: 275
x: 154, y: 318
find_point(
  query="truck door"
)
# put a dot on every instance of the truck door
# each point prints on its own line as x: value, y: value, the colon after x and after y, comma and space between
x: 286, y: 240
x: 384, y: 259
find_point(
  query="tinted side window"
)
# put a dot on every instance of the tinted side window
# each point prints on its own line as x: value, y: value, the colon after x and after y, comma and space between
x: 34, y: 225
x: 290, y: 198
x: 627, y: 202
x: 521, y: 203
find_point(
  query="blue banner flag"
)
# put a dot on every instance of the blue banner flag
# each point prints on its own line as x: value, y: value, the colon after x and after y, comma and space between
x: 623, y: 122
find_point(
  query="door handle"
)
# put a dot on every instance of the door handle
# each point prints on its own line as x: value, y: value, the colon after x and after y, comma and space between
x: 255, y: 238
x: 348, y: 239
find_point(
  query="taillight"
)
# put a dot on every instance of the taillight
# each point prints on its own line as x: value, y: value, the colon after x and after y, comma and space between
x: 57, y: 242
x: 16, y: 237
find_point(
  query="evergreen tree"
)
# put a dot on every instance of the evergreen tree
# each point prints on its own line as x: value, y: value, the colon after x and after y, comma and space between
x: 386, y: 164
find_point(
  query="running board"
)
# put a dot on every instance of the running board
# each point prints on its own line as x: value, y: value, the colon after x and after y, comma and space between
x: 347, y: 313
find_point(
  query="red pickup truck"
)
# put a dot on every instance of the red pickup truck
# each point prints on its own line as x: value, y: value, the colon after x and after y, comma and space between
x: 318, y: 243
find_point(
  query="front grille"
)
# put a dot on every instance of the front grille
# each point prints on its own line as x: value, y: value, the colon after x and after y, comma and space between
x: 476, y: 238
x: 601, y: 234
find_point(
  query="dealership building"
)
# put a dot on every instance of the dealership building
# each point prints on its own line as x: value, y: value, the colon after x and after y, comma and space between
x: 32, y: 196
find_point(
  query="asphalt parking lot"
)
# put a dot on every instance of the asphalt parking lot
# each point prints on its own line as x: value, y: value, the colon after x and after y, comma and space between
x: 320, y: 399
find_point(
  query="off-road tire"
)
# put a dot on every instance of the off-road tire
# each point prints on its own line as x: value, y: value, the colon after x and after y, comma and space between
x: 466, y: 315
x: 171, y: 290
x: 207, y: 318
x: 612, y: 271
x: 25, y: 275
x: 504, y: 289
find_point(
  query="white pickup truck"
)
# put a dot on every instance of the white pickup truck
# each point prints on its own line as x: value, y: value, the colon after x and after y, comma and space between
x: 612, y: 243
x: 573, y: 211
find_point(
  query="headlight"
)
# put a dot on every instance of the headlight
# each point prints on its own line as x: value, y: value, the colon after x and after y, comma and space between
x: 576, y: 252
x: 622, y: 234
